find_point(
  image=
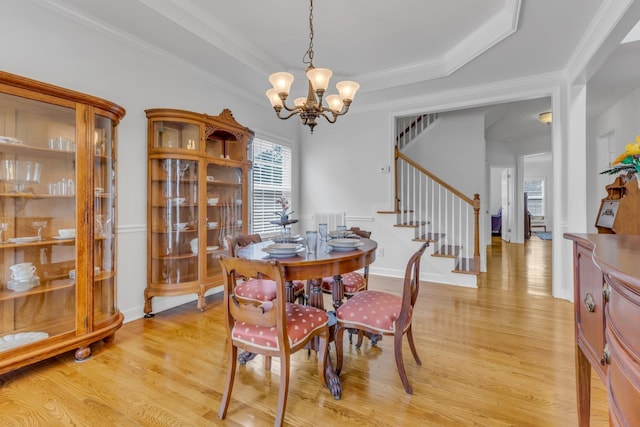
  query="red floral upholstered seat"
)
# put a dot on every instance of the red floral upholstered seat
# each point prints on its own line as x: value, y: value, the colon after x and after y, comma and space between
x: 258, y: 289
x: 264, y: 290
x: 272, y: 328
x: 374, y: 310
x: 351, y: 283
x: 302, y: 320
x: 382, y: 313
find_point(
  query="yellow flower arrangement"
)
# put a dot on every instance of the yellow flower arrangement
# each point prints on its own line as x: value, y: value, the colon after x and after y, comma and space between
x: 629, y: 161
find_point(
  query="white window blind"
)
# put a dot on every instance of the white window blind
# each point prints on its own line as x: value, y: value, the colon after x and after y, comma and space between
x: 271, y: 178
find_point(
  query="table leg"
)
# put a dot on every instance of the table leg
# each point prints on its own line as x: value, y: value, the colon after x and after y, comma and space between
x: 337, y: 291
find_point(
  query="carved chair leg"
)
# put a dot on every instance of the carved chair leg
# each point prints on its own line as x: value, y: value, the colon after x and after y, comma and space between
x: 267, y: 363
x: 323, y: 354
x: 339, y: 334
x: 397, y: 349
x: 231, y: 372
x: 412, y: 346
x: 284, y: 388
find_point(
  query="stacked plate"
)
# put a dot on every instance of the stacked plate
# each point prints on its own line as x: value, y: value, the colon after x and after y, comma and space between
x: 341, y: 234
x: 23, y: 285
x: 288, y: 239
x: 284, y: 250
x: 9, y: 140
x: 343, y: 245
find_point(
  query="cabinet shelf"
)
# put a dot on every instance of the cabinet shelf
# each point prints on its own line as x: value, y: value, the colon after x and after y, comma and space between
x: 35, y: 195
x: 37, y: 243
x: 21, y: 149
x: 40, y: 289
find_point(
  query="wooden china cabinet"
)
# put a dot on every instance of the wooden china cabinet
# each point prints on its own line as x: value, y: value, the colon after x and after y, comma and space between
x: 57, y: 213
x: 197, y: 194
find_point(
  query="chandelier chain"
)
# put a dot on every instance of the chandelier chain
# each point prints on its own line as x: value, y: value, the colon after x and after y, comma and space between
x: 309, y: 53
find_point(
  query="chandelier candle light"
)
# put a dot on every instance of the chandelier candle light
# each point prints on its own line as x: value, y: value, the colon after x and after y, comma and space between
x: 310, y: 108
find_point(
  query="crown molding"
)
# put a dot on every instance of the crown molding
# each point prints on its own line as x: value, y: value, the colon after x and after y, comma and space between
x: 499, y: 27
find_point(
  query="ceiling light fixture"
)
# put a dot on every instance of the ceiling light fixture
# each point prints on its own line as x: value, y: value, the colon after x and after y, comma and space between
x: 545, y: 117
x: 310, y: 108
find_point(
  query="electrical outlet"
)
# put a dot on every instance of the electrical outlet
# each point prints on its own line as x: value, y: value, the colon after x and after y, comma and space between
x: 380, y: 252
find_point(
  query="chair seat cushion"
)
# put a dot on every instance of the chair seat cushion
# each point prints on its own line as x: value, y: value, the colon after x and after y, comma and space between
x: 263, y: 289
x: 351, y: 283
x: 374, y: 310
x: 302, y: 320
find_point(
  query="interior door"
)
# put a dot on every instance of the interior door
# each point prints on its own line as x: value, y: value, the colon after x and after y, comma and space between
x: 507, y: 203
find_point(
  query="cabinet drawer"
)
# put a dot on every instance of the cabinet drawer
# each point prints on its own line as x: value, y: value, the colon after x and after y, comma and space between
x: 589, y: 307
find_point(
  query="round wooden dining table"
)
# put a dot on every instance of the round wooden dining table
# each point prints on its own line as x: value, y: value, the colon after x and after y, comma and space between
x: 313, y: 267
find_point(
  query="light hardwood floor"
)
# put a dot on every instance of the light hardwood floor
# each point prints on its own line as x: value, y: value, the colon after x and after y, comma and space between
x: 500, y: 355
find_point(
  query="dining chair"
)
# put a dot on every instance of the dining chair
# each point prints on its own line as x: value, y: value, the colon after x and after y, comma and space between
x: 383, y: 313
x: 273, y: 328
x: 259, y: 289
x: 353, y: 281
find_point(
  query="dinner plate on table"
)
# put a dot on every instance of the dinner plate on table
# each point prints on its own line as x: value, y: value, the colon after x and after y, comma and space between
x: 288, y: 239
x: 343, y: 245
x: 284, y: 250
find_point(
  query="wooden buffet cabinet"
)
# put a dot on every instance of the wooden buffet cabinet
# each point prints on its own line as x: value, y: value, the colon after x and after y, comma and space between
x: 57, y: 172
x: 197, y: 191
x: 607, y: 322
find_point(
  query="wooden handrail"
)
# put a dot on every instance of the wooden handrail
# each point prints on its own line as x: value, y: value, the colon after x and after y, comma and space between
x: 474, y: 203
x: 399, y: 155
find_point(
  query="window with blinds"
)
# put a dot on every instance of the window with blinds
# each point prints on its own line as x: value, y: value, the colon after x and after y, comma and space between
x: 534, y: 187
x: 270, y: 179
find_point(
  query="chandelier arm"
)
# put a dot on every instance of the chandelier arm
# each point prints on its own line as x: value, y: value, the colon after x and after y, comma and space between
x: 335, y: 116
x: 294, y: 112
x: 286, y: 107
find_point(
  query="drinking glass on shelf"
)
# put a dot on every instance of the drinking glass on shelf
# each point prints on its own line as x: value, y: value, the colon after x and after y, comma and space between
x: 39, y: 225
x: 3, y: 226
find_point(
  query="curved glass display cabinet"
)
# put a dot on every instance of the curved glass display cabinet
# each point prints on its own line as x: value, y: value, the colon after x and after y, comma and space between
x: 57, y: 212
x: 197, y: 195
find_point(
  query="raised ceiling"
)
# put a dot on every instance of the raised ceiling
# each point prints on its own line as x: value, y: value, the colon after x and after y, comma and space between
x: 394, y: 49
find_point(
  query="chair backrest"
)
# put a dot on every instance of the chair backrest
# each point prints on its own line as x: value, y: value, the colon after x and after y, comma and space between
x: 361, y: 233
x: 332, y: 219
x: 240, y: 241
x: 411, y: 286
x: 259, y: 313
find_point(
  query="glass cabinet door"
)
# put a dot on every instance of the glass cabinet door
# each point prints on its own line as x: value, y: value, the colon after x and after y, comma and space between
x: 37, y: 220
x: 224, y: 209
x: 104, y: 191
x: 174, y: 223
x: 172, y: 135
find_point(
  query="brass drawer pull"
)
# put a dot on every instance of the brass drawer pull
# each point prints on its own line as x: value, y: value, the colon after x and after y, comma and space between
x: 606, y: 292
x: 589, y: 303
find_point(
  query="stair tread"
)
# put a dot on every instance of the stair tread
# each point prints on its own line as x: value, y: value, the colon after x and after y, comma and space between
x: 449, y: 251
x: 411, y: 224
x: 465, y: 266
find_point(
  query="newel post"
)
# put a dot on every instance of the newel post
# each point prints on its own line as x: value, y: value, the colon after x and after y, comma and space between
x: 476, y: 233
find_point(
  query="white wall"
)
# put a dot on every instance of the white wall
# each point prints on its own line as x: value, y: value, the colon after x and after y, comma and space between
x: 622, y: 121
x: 42, y: 45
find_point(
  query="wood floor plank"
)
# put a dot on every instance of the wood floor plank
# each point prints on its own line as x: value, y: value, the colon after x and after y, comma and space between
x: 500, y: 355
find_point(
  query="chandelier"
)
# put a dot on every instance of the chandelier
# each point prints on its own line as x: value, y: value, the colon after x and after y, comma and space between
x: 311, y: 107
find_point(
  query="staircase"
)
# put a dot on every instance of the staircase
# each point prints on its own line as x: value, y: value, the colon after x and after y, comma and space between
x: 439, y: 214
